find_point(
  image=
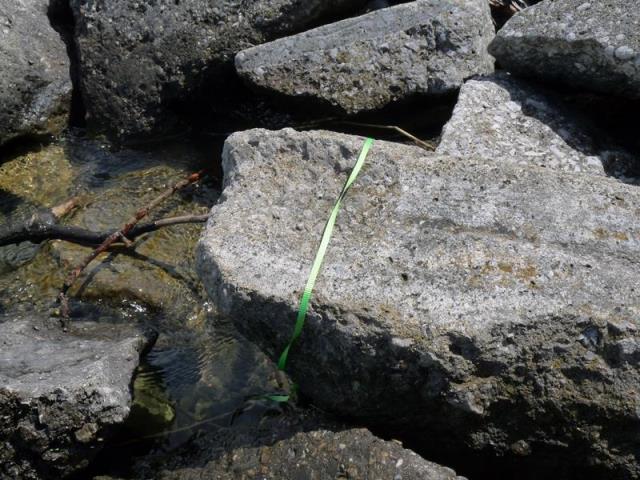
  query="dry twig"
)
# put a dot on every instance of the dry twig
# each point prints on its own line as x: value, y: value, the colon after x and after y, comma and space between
x: 37, y: 224
x: 119, y: 235
x: 38, y: 230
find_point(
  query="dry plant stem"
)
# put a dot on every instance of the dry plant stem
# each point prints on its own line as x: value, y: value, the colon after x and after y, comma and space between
x: 416, y: 140
x: 413, y: 138
x: 118, y: 235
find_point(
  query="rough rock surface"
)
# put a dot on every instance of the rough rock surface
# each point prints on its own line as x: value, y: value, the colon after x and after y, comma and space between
x: 494, y: 303
x: 319, y: 455
x: 138, y: 59
x: 35, y: 85
x: 427, y: 47
x: 61, y: 393
x: 587, y: 44
x: 503, y: 118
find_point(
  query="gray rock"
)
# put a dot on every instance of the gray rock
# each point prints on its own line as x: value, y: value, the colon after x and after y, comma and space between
x: 502, y: 118
x: 61, y: 394
x: 495, y: 304
x: 427, y: 47
x: 35, y: 85
x: 586, y: 44
x: 319, y: 455
x: 139, y: 59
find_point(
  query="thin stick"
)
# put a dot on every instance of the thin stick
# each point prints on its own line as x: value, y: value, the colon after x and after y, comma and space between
x: 165, y: 222
x: 420, y: 143
x: 37, y: 231
x: 39, y: 222
x: 119, y: 235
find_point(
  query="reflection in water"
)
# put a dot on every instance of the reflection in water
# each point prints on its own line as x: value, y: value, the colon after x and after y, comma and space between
x: 195, y: 381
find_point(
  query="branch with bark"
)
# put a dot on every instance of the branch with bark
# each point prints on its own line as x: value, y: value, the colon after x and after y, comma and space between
x: 37, y: 224
x: 40, y: 228
x: 122, y: 235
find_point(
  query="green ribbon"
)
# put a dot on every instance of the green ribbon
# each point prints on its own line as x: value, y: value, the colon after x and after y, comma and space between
x: 322, y: 250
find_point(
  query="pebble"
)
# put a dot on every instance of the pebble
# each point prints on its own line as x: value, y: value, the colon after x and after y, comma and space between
x: 624, y: 53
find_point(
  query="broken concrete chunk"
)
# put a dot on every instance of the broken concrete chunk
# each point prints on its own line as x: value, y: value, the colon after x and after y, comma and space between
x: 35, y: 83
x: 61, y: 393
x: 482, y: 293
x: 503, y: 118
x: 585, y: 44
x: 317, y: 455
x: 427, y: 47
x: 141, y: 61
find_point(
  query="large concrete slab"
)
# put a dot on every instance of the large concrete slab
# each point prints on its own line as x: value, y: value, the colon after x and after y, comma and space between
x: 319, y: 455
x: 139, y: 62
x: 494, y: 303
x: 426, y: 47
x: 584, y: 44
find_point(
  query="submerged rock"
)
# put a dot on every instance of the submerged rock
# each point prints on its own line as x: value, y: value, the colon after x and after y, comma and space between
x: 427, y: 47
x: 28, y: 176
x: 493, y: 303
x: 318, y: 455
x: 35, y: 84
x: 138, y: 60
x: 158, y: 274
x: 506, y: 119
x: 593, y: 45
x: 61, y: 393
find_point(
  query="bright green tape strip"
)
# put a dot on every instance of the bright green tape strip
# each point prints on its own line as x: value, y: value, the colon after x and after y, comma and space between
x: 322, y: 250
